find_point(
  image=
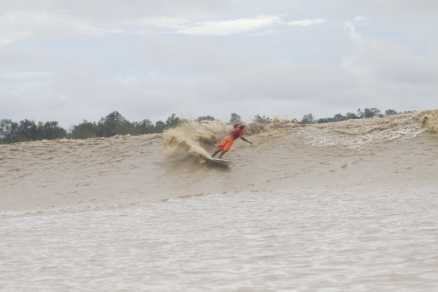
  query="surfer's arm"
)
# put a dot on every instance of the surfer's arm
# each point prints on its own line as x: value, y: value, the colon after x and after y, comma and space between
x: 246, y: 140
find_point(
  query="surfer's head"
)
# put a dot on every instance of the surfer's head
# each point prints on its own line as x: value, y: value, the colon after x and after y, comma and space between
x: 239, y: 126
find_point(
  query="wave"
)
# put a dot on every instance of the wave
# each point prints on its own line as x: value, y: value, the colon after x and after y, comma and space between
x: 126, y: 169
x: 193, y: 138
x: 429, y: 120
x: 356, y: 133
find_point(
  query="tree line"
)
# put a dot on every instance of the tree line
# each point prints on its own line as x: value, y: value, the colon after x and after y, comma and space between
x: 116, y: 124
x: 110, y: 125
x: 366, y: 113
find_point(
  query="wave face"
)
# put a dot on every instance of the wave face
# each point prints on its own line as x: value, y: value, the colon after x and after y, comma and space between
x: 358, y: 133
x: 195, y: 139
x: 429, y: 120
x: 384, y: 153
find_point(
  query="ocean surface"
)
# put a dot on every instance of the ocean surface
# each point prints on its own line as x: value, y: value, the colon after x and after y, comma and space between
x: 229, y: 242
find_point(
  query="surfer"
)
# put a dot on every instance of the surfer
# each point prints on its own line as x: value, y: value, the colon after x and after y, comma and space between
x: 228, y: 141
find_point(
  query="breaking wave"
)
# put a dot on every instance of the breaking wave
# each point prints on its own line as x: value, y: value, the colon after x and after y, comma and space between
x: 124, y: 168
x: 429, y: 120
x: 356, y: 133
x: 192, y: 138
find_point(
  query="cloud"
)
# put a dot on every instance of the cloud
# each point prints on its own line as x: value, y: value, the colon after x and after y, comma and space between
x: 18, y: 25
x: 355, y: 37
x: 306, y: 22
x: 359, y: 18
x: 216, y: 28
x: 228, y: 27
x: 173, y: 23
x: 149, y: 58
x: 387, y: 72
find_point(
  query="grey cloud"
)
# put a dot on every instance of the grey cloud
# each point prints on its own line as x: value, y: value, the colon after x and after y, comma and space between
x: 82, y: 61
x: 116, y: 10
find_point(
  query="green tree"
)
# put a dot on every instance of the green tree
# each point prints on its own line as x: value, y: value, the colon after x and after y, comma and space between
x: 172, y: 121
x: 7, y: 131
x: 325, y: 120
x: 51, y: 130
x: 144, y: 127
x: 160, y: 126
x: 205, y: 118
x: 371, y: 112
x: 235, y: 118
x: 26, y: 131
x: 307, y: 119
x: 262, y: 119
x: 390, y: 112
x: 113, y: 124
x: 84, y: 130
x: 339, y: 117
x: 351, y: 116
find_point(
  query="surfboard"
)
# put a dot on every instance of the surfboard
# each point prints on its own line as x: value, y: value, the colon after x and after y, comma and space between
x: 218, y: 161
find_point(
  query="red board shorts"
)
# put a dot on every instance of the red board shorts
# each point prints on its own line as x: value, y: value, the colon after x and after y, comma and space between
x: 226, y: 143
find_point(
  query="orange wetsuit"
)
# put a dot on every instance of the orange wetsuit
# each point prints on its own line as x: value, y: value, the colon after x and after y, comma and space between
x: 228, y: 141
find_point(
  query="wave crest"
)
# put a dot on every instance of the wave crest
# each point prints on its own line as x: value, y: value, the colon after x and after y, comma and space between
x: 192, y: 138
x: 429, y: 120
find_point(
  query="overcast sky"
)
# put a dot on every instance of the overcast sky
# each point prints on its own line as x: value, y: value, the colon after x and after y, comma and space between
x: 72, y: 60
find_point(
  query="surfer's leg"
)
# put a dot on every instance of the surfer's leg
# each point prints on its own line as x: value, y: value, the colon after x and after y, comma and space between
x: 221, y: 146
x: 222, y: 154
